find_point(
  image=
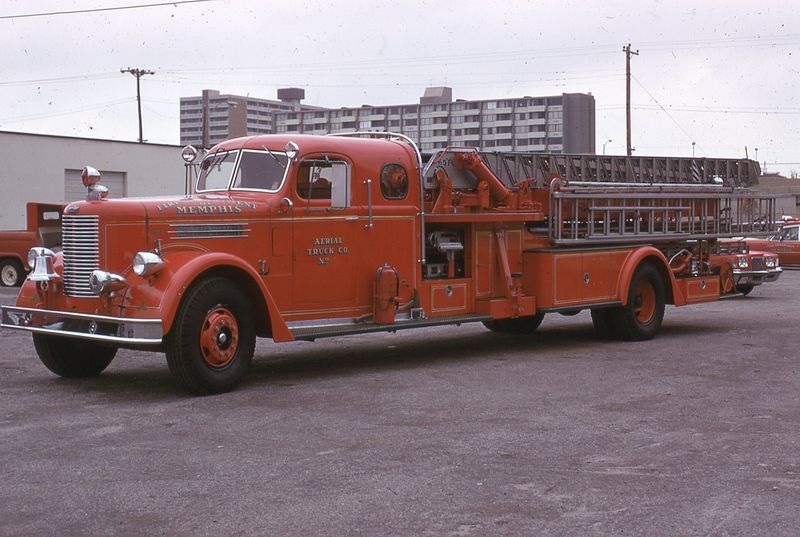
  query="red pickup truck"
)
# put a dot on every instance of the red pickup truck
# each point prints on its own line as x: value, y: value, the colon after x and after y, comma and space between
x: 44, y: 229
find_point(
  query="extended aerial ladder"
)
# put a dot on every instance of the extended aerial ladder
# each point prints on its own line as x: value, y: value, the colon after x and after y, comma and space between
x: 593, y: 199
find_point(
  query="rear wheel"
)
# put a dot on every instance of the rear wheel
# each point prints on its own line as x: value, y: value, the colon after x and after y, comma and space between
x: 212, y: 341
x: 603, y: 321
x: 641, y: 317
x: 72, y: 358
x: 745, y: 289
x: 11, y: 273
x: 520, y: 325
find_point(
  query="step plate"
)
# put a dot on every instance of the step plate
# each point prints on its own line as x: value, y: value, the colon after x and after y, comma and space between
x: 316, y: 332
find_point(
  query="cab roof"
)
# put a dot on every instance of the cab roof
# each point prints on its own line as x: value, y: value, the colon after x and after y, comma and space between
x: 309, y: 144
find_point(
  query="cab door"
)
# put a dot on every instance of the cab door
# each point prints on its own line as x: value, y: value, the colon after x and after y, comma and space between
x: 326, y: 233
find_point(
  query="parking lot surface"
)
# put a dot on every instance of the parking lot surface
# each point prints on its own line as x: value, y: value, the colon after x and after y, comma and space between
x: 453, y: 431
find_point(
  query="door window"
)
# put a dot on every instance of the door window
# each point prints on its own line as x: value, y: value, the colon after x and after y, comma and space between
x: 326, y: 180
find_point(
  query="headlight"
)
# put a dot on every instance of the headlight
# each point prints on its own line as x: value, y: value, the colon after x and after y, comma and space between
x: 771, y: 262
x: 101, y: 281
x: 742, y: 261
x: 147, y: 263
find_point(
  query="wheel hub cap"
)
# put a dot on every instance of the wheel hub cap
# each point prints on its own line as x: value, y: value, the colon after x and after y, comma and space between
x: 219, y: 337
x: 644, y: 302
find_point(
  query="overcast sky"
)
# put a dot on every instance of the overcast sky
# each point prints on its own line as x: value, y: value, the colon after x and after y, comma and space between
x: 722, y: 74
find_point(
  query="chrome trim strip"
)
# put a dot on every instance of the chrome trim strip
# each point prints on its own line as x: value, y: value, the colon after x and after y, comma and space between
x: 83, y: 326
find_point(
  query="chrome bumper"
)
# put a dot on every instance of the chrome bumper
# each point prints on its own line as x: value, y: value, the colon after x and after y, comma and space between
x: 773, y: 274
x: 756, y: 277
x: 79, y: 325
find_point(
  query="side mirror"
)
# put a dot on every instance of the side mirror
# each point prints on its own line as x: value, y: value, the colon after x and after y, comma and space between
x: 292, y: 149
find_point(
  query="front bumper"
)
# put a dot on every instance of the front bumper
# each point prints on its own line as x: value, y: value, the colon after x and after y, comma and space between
x: 756, y: 277
x: 120, y: 330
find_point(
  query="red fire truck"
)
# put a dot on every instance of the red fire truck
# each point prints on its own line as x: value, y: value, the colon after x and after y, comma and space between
x: 297, y: 237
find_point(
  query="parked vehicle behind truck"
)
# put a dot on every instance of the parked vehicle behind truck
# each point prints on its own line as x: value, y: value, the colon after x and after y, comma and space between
x: 43, y: 229
x: 785, y: 243
x: 298, y: 237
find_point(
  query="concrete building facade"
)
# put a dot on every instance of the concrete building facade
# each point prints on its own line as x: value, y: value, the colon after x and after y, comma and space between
x: 559, y: 123
x: 51, y: 166
x: 785, y: 189
x: 211, y: 117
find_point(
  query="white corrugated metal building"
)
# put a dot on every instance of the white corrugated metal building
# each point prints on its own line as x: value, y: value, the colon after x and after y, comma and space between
x: 37, y: 167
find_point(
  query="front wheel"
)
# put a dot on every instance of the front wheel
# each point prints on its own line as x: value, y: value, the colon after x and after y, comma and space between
x: 212, y: 341
x: 72, y: 358
x: 640, y: 319
x: 521, y: 325
x: 11, y: 273
x: 745, y: 289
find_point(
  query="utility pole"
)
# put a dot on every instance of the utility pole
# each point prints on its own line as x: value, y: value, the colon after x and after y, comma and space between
x: 138, y: 73
x: 628, y: 53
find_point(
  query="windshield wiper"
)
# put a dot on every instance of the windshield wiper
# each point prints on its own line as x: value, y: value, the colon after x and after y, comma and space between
x: 274, y: 157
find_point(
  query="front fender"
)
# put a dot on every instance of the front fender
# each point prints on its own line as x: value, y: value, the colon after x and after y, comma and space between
x: 637, y: 257
x: 192, y: 265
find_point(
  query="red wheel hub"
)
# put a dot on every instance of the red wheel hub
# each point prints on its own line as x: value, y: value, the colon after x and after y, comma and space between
x: 219, y: 337
x: 644, y: 302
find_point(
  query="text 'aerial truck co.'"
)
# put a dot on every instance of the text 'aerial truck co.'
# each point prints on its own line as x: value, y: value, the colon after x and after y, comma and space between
x: 303, y: 237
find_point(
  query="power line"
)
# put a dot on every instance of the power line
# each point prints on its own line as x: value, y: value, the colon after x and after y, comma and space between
x: 62, y: 79
x: 691, y: 138
x: 48, y: 115
x: 99, y: 9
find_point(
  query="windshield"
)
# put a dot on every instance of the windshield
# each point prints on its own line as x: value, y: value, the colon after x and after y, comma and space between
x: 260, y: 170
x: 215, y: 171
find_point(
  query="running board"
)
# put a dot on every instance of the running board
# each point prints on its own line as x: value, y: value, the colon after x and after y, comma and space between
x: 310, y: 333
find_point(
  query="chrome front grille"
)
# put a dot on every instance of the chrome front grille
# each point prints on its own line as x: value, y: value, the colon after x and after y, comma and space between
x: 81, y: 249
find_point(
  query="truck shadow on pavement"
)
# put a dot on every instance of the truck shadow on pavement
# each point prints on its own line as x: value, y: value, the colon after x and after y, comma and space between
x: 420, y: 350
x: 285, y: 364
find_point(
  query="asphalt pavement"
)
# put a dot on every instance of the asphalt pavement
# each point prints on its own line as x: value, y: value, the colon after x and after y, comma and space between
x: 449, y: 431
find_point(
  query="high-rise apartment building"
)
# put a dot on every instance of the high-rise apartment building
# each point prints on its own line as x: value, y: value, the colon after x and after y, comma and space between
x: 211, y: 117
x: 558, y: 124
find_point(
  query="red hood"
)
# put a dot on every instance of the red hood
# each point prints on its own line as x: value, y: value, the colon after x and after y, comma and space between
x: 209, y: 205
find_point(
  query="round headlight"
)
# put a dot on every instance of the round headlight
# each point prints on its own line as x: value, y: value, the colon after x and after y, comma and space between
x: 146, y: 263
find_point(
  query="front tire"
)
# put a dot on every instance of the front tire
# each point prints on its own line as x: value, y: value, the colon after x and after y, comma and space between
x: 640, y: 319
x: 212, y: 341
x: 521, y: 325
x: 745, y: 289
x: 11, y: 273
x: 72, y: 358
